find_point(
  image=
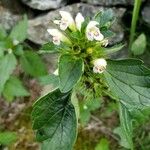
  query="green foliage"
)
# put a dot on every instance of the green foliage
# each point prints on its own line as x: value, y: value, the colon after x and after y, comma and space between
x: 85, y: 69
x: 129, y: 80
x: 3, y: 33
x: 49, y: 79
x: 7, y: 138
x: 32, y: 64
x: 55, y: 121
x: 139, y: 45
x: 14, y: 88
x: 19, y: 32
x: 105, y: 18
x: 7, y: 66
x: 70, y: 71
x: 12, y: 49
x: 86, y: 107
x: 102, y: 145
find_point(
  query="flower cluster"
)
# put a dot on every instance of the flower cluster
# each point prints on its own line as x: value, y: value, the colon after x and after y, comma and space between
x: 92, y: 33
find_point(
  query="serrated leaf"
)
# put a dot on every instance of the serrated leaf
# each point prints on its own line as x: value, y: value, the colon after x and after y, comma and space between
x: 14, y: 88
x: 139, y: 45
x: 104, y: 17
x: 70, y: 71
x: 129, y: 80
x: 7, y: 138
x: 126, y: 125
x: 102, y: 145
x: 107, y: 33
x: 7, y: 65
x: 55, y: 121
x: 19, y: 32
x: 32, y: 64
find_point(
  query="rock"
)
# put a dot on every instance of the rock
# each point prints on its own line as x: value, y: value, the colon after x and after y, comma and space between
x: 44, y: 4
x: 38, y: 27
x: 7, y: 19
x: 146, y: 13
x: 110, y: 2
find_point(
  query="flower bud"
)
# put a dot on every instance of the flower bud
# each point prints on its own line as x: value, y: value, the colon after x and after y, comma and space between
x: 79, y: 20
x: 99, y: 65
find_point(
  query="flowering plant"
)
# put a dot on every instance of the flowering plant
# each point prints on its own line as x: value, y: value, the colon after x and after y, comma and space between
x: 84, y: 67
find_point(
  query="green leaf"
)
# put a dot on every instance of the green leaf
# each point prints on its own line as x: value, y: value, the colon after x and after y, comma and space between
x: 114, y: 49
x: 105, y: 17
x: 7, y: 65
x: 107, y: 33
x: 14, y: 87
x: 49, y: 79
x: 70, y: 71
x: 126, y: 125
x: 86, y: 107
x: 129, y: 80
x: 103, y: 144
x: 123, y: 140
x: 19, y: 32
x: 55, y: 121
x: 49, y: 48
x: 139, y: 45
x: 7, y: 138
x: 3, y: 33
x: 32, y: 64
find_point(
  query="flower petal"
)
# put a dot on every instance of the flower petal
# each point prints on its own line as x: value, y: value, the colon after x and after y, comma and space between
x: 91, y: 24
x: 79, y: 20
x: 66, y: 16
x: 55, y: 32
x: 100, y: 37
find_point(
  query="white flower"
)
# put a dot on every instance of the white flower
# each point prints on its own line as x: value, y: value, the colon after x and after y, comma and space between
x: 57, y: 36
x: 93, y: 32
x: 99, y: 65
x: 66, y: 21
x: 79, y: 20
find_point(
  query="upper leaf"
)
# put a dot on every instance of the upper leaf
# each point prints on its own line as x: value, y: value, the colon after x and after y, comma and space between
x: 19, y: 32
x: 32, y: 64
x: 104, y: 17
x: 70, y: 71
x: 55, y: 121
x: 129, y: 80
x: 7, y: 65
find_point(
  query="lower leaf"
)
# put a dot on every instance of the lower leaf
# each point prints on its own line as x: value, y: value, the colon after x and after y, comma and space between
x: 55, y: 121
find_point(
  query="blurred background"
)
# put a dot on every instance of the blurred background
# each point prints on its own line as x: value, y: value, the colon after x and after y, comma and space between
x: 24, y: 83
